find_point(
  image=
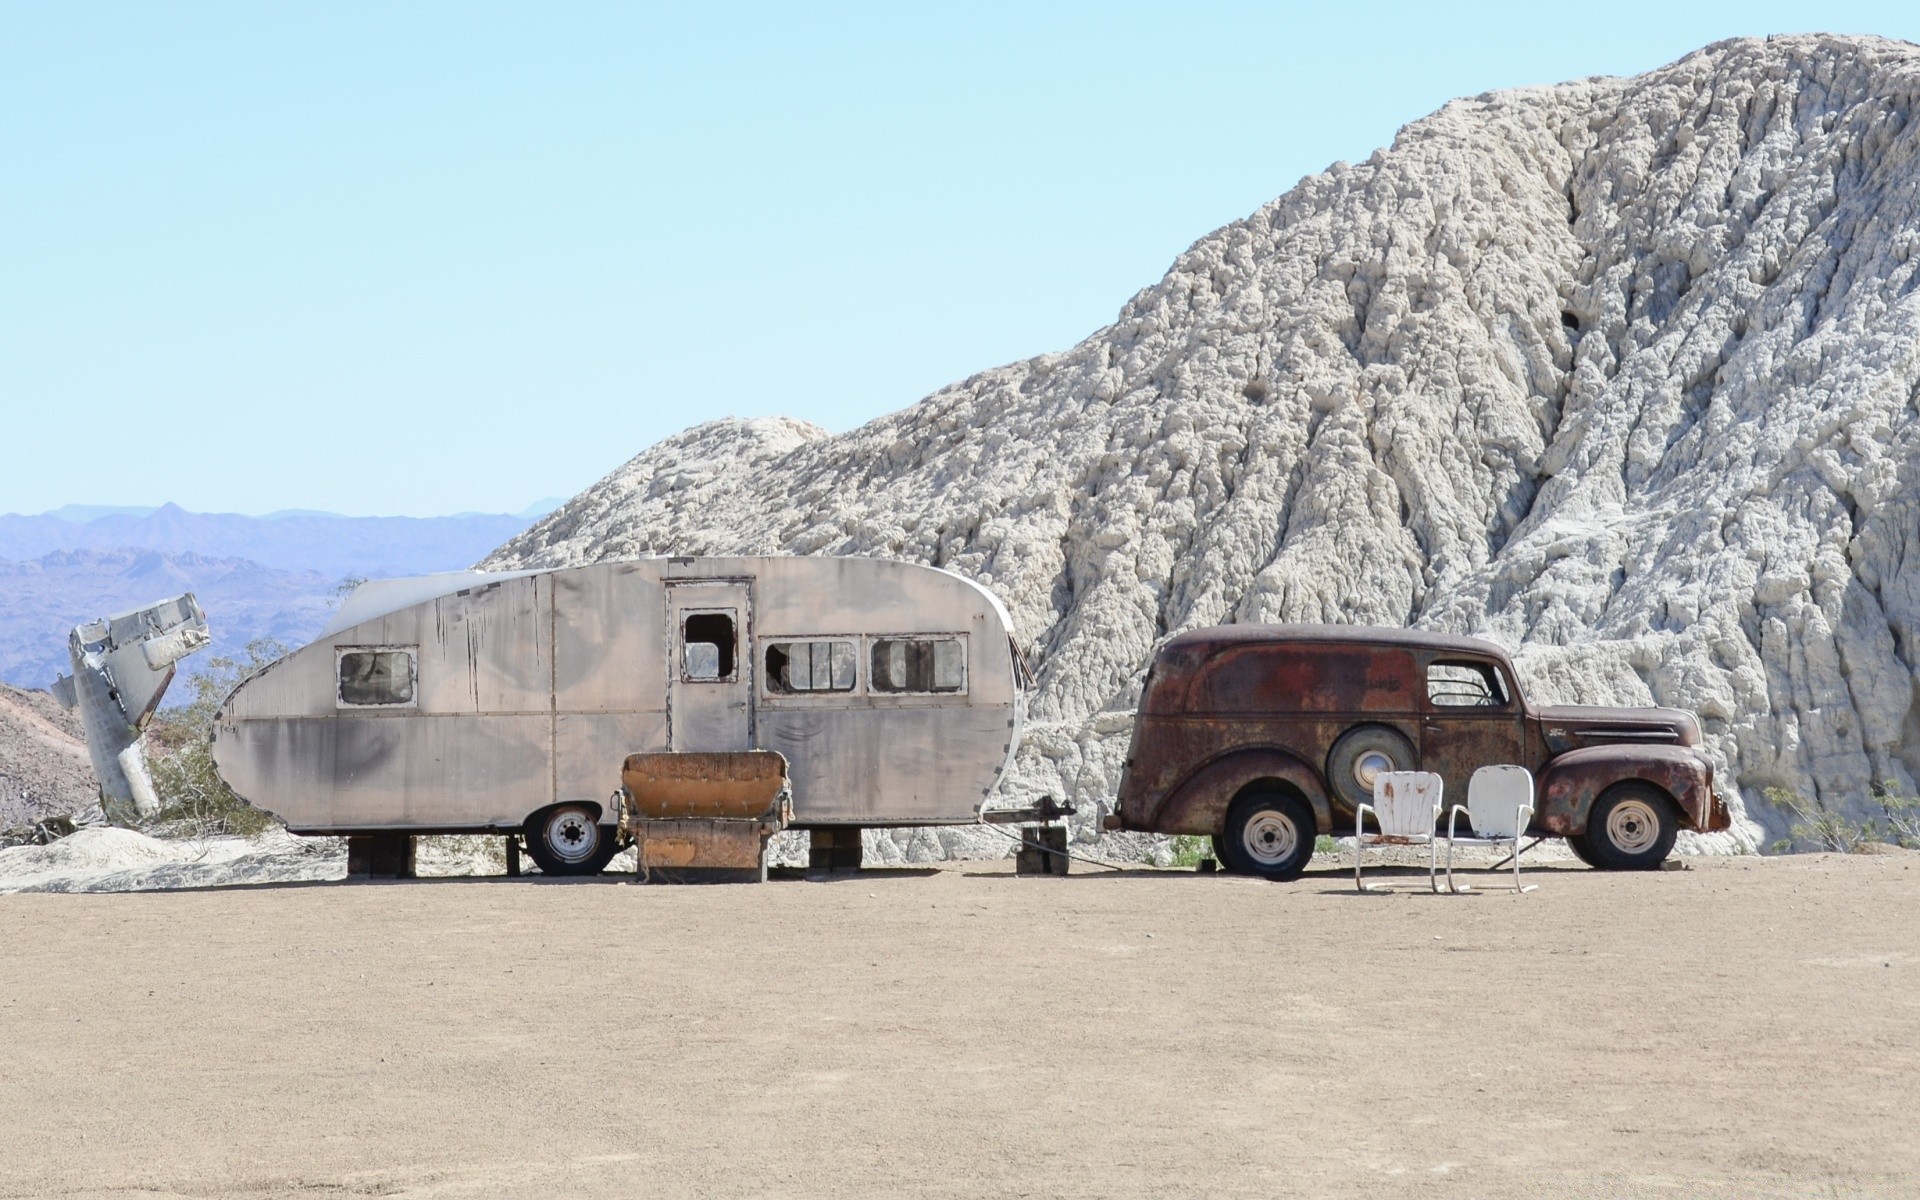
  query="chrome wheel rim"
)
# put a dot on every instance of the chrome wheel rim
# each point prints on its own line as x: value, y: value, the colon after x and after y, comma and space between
x: 1370, y: 766
x: 572, y: 836
x: 1633, y: 827
x: 1270, y: 838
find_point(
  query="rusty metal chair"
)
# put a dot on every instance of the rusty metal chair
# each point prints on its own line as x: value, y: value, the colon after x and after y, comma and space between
x: 1406, y: 807
x: 1499, y: 807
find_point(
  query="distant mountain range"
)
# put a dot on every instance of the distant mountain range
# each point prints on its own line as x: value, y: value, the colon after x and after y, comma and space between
x: 376, y: 547
x: 275, y: 576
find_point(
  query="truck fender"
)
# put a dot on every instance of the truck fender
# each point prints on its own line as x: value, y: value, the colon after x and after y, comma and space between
x: 1569, y: 785
x: 1198, y: 804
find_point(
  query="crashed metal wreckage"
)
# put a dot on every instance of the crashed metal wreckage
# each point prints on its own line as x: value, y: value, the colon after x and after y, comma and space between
x: 121, y: 668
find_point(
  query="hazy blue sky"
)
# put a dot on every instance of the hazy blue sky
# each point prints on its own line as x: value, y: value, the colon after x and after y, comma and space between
x: 422, y: 258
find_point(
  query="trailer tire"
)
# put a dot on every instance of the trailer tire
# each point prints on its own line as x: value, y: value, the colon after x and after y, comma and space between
x: 1269, y: 834
x: 568, y: 839
x: 1631, y: 828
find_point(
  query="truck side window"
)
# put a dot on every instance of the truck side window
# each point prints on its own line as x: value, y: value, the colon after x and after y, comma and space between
x: 794, y: 668
x: 709, y: 641
x: 1464, y: 685
x: 918, y: 665
x: 375, y: 678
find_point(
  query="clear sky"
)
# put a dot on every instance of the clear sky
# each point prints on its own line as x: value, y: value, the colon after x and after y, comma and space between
x: 418, y: 258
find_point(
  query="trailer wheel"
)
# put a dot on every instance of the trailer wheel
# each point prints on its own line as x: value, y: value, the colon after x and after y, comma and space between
x: 568, y: 839
x: 1631, y: 828
x: 1269, y: 834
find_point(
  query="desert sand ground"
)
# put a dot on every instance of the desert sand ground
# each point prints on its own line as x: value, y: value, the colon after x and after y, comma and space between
x: 1744, y: 1028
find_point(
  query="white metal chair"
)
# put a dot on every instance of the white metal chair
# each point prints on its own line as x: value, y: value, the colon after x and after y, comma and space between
x: 1500, y: 806
x: 1406, y: 806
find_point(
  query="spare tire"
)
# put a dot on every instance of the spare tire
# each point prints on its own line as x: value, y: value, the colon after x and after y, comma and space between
x: 1363, y: 752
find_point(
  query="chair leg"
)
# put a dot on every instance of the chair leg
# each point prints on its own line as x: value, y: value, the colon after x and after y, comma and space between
x: 1359, y: 843
x: 1453, y: 821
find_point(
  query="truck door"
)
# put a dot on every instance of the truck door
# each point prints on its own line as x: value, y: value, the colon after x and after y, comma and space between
x: 710, y: 669
x: 1470, y: 718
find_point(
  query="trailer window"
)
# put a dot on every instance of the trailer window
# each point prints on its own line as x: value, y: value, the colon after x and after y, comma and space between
x: 797, y: 667
x: 1464, y: 685
x: 376, y: 678
x: 708, y: 638
x: 919, y: 665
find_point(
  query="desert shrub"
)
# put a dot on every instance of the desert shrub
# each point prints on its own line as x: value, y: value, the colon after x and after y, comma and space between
x: 1325, y: 845
x: 193, y: 798
x: 1815, y: 825
x: 1189, y: 849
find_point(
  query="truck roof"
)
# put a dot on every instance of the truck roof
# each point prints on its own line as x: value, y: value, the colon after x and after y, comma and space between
x: 1373, y: 635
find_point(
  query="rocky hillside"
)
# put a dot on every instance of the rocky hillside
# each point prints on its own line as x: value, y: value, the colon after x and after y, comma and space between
x: 43, y: 760
x: 1622, y: 373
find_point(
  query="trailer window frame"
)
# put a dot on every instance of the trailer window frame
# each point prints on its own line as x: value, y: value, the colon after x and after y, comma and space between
x: 729, y: 655
x: 768, y: 642
x: 965, y: 688
x: 342, y: 653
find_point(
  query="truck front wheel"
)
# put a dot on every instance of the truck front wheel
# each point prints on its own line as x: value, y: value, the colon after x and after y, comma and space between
x: 568, y: 839
x: 1268, y: 834
x: 1631, y: 828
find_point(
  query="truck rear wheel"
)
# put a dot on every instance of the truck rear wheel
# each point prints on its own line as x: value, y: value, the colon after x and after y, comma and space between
x: 568, y: 839
x: 1269, y: 834
x: 1631, y: 828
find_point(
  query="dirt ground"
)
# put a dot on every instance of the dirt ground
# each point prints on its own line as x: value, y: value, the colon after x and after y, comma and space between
x: 1744, y: 1028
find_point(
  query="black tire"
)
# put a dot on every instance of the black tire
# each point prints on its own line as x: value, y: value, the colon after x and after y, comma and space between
x: 1631, y: 828
x: 1365, y: 751
x: 1577, y: 842
x: 1269, y: 834
x: 568, y: 839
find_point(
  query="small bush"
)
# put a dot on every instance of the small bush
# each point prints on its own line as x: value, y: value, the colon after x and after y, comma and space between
x: 1325, y: 845
x: 193, y: 798
x: 1190, y: 848
x: 1815, y: 825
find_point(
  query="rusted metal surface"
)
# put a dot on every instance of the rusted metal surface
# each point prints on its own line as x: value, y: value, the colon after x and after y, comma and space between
x: 668, y: 786
x: 717, y: 845
x: 1571, y: 782
x: 1198, y: 804
x: 1241, y: 708
x: 701, y: 813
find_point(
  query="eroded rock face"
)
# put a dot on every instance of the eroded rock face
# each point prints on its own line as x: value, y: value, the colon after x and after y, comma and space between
x: 1620, y: 373
x: 44, y: 770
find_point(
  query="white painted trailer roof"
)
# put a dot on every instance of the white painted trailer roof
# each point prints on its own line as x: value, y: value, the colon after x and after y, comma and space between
x: 379, y: 597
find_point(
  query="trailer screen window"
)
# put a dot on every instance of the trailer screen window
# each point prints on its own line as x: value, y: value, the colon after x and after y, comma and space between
x: 376, y: 678
x: 919, y: 665
x: 708, y: 638
x: 798, y: 667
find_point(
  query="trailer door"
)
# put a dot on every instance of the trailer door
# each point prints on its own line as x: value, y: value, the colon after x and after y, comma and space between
x: 710, y: 672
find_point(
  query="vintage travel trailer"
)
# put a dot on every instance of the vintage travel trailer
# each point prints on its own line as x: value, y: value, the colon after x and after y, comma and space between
x: 504, y: 702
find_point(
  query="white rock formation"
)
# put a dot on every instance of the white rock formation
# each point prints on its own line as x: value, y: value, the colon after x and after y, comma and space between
x: 1622, y: 373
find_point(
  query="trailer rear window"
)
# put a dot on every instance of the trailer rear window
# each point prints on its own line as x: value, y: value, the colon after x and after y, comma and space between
x: 919, y: 665
x: 376, y: 678
x: 799, y: 667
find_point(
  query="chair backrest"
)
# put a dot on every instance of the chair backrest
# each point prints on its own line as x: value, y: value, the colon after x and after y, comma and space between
x: 1407, y: 803
x: 1495, y: 796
